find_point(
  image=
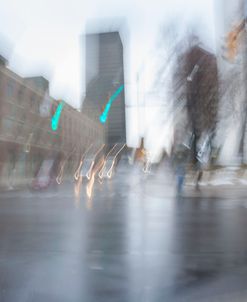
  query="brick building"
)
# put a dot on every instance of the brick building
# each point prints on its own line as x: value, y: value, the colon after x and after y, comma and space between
x: 26, y: 137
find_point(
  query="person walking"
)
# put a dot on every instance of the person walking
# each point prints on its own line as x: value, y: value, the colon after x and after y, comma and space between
x: 180, y: 159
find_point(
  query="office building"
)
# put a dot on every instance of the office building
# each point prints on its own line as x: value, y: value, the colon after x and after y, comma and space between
x: 104, y: 75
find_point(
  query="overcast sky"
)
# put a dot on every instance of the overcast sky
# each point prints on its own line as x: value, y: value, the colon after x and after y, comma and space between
x: 43, y: 36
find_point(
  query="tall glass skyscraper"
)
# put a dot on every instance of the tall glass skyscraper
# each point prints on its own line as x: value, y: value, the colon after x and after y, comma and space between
x: 104, y: 75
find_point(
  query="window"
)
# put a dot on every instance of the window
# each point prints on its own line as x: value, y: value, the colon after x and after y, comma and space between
x: 37, y: 105
x: 22, y: 115
x: 20, y: 96
x: 33, y: 103
x: 7, y: 127
x: 13, y: 111
x: 10, y: 89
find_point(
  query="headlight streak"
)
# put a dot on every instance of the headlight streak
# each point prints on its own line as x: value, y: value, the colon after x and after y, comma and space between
x: 77, y: 188
x: 77, y: 172
x: 147, y: 164
x: 89, y: 173
x: 28, y: 144
x: 60, y: 173
x: 90, y: 184
x: 109, y: 173
x: 101, y: 171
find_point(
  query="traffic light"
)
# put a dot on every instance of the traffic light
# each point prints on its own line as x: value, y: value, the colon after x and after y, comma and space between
x: 232, y: 42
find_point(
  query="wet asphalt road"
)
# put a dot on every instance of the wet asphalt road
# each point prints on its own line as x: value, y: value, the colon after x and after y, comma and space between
x: 133, y: 241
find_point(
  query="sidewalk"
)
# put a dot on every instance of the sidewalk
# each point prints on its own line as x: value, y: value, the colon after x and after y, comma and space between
x: 224, y: 182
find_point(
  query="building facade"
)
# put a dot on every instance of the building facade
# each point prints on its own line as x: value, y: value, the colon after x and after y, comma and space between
x: 26, y: 137
x: 104, y: 75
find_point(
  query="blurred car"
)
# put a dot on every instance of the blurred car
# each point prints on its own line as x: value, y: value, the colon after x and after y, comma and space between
x: 44, y: 177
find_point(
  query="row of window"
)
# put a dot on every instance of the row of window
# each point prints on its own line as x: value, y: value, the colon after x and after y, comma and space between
x: 19, y: 95
x: 20, y: 115
x: 18, y: 131
x: 22, y: 96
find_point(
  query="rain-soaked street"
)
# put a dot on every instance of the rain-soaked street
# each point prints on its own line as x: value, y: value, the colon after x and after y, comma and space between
x: 133, y: 241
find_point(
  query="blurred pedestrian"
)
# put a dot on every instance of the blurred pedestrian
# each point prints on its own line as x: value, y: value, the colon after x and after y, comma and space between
x: 203, y: 157
x: 180, y: 159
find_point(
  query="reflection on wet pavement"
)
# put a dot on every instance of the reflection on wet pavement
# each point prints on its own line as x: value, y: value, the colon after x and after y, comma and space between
x: 137, y: 243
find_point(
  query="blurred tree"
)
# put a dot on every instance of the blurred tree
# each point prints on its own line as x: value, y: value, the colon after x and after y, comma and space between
x: 195, y: 79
